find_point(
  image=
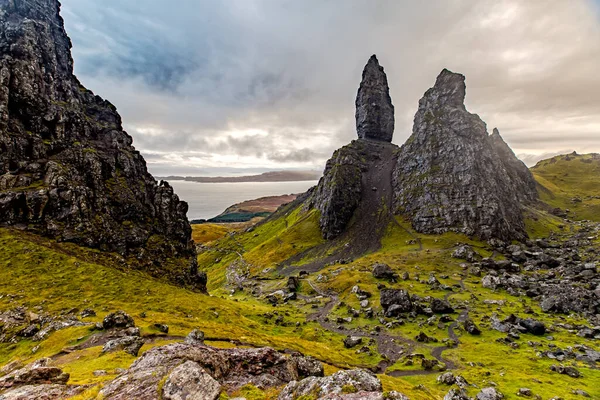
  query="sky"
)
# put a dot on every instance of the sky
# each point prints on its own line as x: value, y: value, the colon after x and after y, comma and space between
x: 213, y: 87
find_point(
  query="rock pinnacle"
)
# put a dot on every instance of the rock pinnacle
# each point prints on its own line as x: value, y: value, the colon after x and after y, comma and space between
x: 374, y: 108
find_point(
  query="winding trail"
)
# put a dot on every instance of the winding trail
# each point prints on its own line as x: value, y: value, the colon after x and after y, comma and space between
x: 391, y: 347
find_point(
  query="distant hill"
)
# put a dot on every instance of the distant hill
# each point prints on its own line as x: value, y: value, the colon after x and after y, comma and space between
x: 250, y: 209
x: 272, y: 176
x: 570, y: 182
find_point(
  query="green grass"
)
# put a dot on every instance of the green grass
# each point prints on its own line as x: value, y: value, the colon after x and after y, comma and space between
x: 566, y: 177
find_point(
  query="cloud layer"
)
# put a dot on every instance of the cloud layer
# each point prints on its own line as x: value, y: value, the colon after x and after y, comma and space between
x: 210, y: 86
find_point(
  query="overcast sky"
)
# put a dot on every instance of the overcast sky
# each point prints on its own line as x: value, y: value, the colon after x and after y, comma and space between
x: 214, y: 87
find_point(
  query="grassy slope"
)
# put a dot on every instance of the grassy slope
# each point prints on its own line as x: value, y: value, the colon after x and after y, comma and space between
x: 565, y: 177
x: 62, y: 276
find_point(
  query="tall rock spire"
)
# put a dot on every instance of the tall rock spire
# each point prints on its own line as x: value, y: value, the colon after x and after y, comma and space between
x: 374, y: 108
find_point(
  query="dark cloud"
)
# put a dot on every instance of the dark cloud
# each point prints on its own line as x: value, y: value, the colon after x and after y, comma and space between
x: 271, y: 83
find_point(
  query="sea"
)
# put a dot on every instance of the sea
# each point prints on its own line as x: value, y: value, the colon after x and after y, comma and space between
x: 207, y: 200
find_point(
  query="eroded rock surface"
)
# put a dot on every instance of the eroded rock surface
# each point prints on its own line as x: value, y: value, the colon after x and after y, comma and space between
x: 451, y: 175
x: 67, y: 168
x: 374, y: 108
x: 230, y: 368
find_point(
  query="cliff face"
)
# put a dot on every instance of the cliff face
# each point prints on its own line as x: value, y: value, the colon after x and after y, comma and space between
x: 355, y: 179
x: 67, y: 168
x: 451, y: 175
x: 374, y: 109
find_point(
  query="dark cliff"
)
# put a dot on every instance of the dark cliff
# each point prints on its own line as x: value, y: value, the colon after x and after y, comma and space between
x: 67, y: 168
x: 452, y: 175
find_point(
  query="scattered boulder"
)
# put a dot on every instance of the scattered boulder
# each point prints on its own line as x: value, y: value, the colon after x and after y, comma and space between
x: 352, y: 341
x: 471, y: 327
x: 566, y: 370
x: 397, y: 297
x: 464, y: 252
x: 195, y: 337
x: 489, y: 393
x: 162, y: 328
x: 118, y: 319
x: 190, y: 381
x: 336, y: 384
x: 456, y: 394
x: 129, y: 344
x: 533, y: 326
x: 307, y: 366
x: 441, y: 306
x: 38, y: 372
x: 384, y: 271
x: 293, y: 283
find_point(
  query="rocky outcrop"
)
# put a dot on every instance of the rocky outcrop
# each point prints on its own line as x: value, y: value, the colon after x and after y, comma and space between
x: 67, y: 168
x: 352, y: 384
x: 374, y: 108
x: 518, y: 173
x: 185, y: 366
x: 451, y: 175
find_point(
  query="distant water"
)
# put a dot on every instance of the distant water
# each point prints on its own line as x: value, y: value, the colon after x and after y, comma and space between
x: 207, y: 200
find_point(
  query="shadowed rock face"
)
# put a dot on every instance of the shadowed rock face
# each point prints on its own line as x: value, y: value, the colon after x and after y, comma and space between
x: 517, y: 171
x: 451, y: 175
x: 374, y: 108
x: 67, y: 168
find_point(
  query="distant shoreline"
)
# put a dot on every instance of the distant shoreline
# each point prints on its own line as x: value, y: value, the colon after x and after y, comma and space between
x: 274, y: 176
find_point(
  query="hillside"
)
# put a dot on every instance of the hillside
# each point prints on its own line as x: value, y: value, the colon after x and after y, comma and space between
x: 570, y: 183
x: 272, y: 176
x: 436, y: 270
x: 255, y: 209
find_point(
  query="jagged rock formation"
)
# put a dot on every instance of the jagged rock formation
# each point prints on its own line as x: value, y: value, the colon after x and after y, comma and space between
x: 374, y: 108
x: 518, y: 173
x: 67, y: 168
x: 451, y: 175
x: 357, y: 175
x: 356, y: 181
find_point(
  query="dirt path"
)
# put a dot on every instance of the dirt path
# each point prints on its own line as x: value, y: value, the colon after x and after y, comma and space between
x: 391, y: 347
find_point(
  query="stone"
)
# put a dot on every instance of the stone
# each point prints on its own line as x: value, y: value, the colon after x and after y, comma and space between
x: 456, y: 394
x: 489, y: 393
x: 533, y: 326
x: 449, y: 175
x: 232, y: 368
x: 68, y: 170
x: 471, y: 327
x: 352, y: 341
x: 162, y: 328
x: 374, y: 108
x: 446, y: 378
x: 525, y: 392
x: 566, y: 370
x: 335, y: 384
x: 189, y: 381
x: 38, y: 372
x: 307, y: 366
x: 384, y: 271
x: 441, y: 306
x: 118, y: 319
x: 42, y: 392
x: 398, y: 297
x: 195, y: 337
x: 129, y: 344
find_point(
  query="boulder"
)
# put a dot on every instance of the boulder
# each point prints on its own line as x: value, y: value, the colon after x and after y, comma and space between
x: 195, y: 337
x: 384, y: 271
x: 118, y: 319
x: 189, y: 381
x: 336, y: 384
x: 129, y: 344
x: 397, y: 297
x: 489, y: 393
